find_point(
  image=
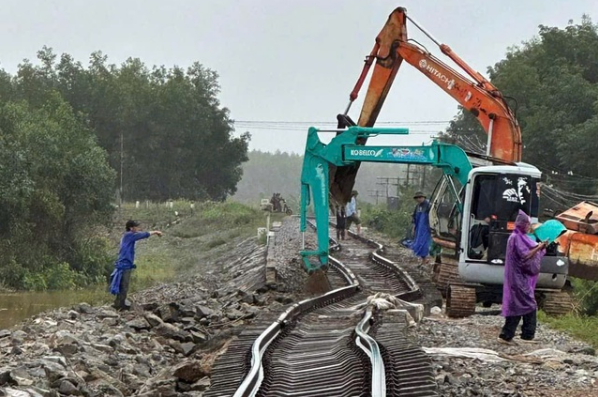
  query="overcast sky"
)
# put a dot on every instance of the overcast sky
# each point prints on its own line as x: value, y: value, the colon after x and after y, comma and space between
x: 283, y: 60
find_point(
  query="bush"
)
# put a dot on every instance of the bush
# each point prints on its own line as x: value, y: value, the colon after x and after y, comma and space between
x: 34, y: 282
x: 12, y: 274
x: 91, y: 260
x: 586, y: 293
x: 395, y: 223
x: 60, y: 277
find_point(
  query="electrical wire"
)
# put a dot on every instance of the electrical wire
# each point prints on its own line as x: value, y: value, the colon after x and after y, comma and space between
x: 427, y: 122
x: 274, y: 125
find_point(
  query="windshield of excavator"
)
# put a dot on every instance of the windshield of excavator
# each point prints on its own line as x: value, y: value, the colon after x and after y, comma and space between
x: 501, y: 196
x: 496, y: 201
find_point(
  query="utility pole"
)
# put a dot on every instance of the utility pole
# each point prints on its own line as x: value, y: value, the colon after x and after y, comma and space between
x: 375, y: 193
x: 388, y: 181
x: 385, y: 184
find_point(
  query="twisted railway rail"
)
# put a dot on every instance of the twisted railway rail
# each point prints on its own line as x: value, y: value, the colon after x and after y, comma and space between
x: 339, y: 343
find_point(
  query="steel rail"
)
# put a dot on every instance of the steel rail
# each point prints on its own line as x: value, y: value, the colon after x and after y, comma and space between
x: 371, y: 348
x: 252, y: 382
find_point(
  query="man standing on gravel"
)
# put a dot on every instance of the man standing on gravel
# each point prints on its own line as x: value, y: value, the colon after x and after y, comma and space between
x: 422, y: 237
x: 351, y: 212
x: 522, y: 266
x: 121, y: 276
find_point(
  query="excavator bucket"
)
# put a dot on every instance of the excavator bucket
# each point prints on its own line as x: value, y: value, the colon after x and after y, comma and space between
x: 317, y: 283
x: 581, y: 218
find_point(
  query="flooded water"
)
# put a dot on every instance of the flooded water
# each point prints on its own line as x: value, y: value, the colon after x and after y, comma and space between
x: 15, y: 307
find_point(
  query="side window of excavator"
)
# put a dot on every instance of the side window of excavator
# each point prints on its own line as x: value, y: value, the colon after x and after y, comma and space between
x: 446, y: 205
x: 483, y: 199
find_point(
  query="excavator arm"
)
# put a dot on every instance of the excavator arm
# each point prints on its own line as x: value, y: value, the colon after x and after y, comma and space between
x: 475, y: 94
x: 344, y: 150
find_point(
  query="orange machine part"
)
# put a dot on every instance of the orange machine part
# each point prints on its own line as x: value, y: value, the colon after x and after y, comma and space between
x: 582, y: 250
x: 583, y: 218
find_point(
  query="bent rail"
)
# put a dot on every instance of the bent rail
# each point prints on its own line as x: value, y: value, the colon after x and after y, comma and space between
x: 371, y: 348
x: 252, y: 382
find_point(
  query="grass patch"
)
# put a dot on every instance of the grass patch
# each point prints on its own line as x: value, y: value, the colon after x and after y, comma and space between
x: 191, y: 238
x: 216, y: 242
x: 155, y: 266
x: 581, y: 327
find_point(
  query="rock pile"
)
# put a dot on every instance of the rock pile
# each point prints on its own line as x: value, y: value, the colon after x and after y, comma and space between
x: 165, y: 347
x: 556, y: 365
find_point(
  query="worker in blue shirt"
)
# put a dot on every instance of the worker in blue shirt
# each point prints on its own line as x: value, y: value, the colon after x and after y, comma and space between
x: 351, y: 212
x: 120, y: 277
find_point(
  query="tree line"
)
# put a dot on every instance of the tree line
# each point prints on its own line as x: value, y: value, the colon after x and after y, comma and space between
x: 69, y: 133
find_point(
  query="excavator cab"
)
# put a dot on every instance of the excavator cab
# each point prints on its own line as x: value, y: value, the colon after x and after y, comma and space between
x: 490, y: 207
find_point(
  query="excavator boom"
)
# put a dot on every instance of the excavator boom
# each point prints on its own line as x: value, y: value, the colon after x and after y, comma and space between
x: 477, y: 94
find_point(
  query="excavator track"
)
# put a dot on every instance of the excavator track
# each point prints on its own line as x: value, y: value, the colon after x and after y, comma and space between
x: 446, y: 273
x: 556, y: 303
x: 460, y: 301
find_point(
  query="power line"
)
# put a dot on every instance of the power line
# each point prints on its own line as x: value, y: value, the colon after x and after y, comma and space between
x: 291, y: 127
x: 334, y: 122
x: 258, y: 129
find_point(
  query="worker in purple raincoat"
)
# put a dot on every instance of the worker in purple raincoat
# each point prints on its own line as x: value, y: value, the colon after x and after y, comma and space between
x: 522, y: 267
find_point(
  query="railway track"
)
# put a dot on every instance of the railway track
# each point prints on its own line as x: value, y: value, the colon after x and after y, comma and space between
x: 339, y: 343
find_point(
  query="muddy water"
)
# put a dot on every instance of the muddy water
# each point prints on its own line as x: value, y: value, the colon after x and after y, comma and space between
x: 15, y: 307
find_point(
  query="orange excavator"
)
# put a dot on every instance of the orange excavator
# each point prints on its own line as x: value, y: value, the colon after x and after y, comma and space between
x: 579, y: 244
x: 479, y: 96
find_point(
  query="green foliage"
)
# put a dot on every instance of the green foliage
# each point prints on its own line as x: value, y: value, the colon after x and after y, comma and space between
x: 35, y: 282
x: 396, y: 223
x: 229, y: 214
x: 60, y: 277
x: 581, y: 327
x: 12, y: 274
x: 91, y: 260
x: 56, y: 277
x: 55, y: 185
x: 178, y: 141
x: 554, y: 80
x: 216, y: 242
x: 586, y: 293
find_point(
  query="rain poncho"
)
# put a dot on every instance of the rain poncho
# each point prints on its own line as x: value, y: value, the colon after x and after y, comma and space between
x: 521, y: 275
x: 117, y: 274
x: 422, y: 237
